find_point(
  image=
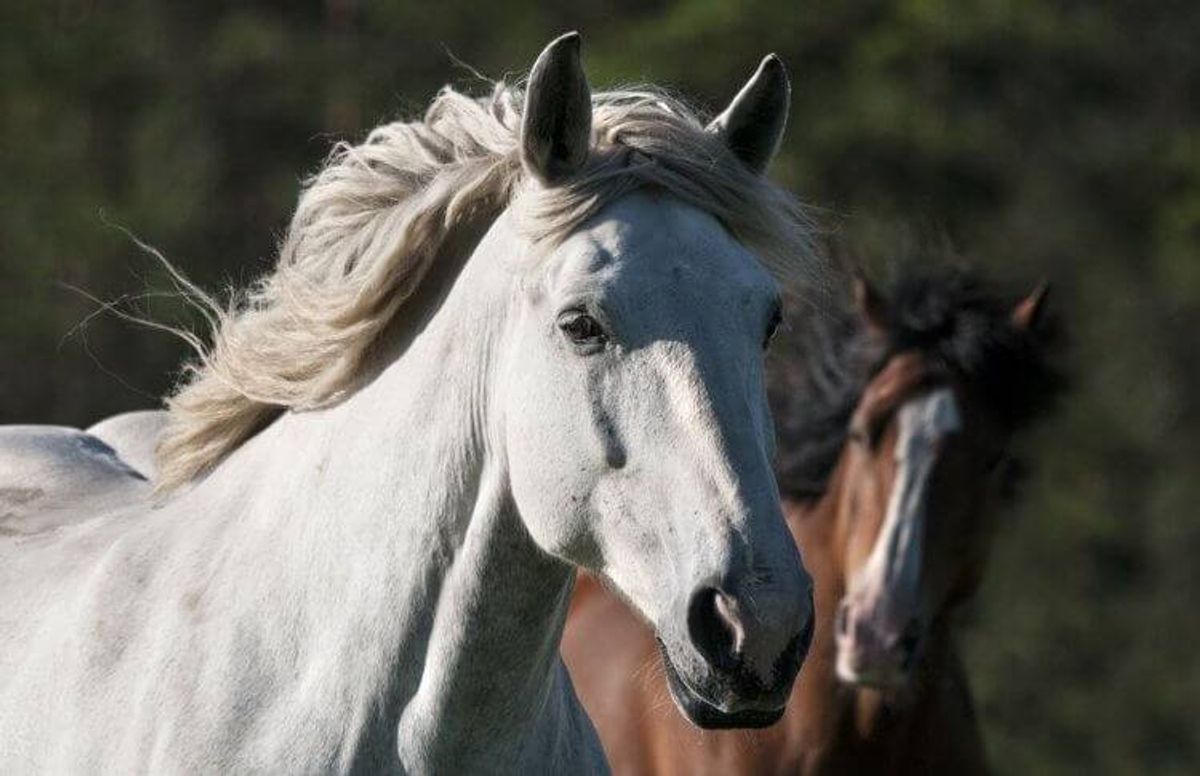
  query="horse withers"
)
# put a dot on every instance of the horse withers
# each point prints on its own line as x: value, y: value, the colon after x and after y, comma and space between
x: 521, y: 336
x: 895, y: 432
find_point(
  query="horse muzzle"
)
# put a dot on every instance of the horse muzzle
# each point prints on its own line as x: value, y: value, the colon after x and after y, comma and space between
x: 874, y: 650
x: 740, y: 680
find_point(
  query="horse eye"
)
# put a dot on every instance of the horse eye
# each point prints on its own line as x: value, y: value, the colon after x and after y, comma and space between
x: 581, y: 328
x: 772, y: 327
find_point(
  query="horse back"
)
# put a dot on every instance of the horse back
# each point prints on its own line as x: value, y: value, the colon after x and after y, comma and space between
x: 51, y: 474
x: 133, y: 436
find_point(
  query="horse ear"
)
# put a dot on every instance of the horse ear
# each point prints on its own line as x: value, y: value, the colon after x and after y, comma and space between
x: 752, y: 125
x: 871, y: 306
x: 1026, y: 314
x: 556, y: 129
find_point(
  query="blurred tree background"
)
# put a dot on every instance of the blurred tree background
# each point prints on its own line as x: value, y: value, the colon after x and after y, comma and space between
x: 1036, y: 138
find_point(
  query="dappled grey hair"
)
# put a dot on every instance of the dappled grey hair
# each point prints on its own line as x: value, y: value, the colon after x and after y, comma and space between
x: 377, y: 215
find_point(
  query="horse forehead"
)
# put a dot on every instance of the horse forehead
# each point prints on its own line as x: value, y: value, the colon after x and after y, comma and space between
x: 642, y: 239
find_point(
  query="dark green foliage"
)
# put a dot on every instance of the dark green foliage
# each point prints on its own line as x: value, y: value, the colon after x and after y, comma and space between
x: 1037, y: 139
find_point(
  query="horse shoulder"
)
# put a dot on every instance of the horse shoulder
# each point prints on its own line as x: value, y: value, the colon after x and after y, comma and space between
x: 47, y: 472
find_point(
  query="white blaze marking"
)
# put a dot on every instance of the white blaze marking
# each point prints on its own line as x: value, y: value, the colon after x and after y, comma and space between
x: 891, y: 577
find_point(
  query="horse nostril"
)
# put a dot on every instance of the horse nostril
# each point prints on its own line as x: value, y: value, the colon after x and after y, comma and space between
x: 711, y: 630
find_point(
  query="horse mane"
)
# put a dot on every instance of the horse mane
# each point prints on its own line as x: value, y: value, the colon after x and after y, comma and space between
x: 818, y: 368
x: 953, y: 316
x: 378, y: 215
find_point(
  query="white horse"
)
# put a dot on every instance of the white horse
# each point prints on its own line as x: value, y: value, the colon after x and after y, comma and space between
x: 520, y: 336
x: 133, y: 436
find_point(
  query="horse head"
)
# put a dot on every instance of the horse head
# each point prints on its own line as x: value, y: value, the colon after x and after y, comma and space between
x: 636, y: 425
x: 927, y: 459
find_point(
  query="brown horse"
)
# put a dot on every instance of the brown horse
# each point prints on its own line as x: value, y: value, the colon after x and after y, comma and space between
x: 896, y: 423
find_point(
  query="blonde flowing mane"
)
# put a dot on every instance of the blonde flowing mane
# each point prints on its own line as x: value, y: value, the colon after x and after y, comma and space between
x: 370, y: 224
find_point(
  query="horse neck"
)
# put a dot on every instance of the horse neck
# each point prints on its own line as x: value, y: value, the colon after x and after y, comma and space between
x: 392, y: 529
x: 493, y: 663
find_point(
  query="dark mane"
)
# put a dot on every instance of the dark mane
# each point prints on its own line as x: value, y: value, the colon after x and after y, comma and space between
x: 824, y: 363
x: 817, y: 370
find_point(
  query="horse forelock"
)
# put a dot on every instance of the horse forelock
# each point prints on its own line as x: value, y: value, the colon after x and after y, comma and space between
x: 377, y: 215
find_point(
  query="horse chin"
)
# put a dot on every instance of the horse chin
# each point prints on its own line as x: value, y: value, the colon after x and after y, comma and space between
x: 704, y: 714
